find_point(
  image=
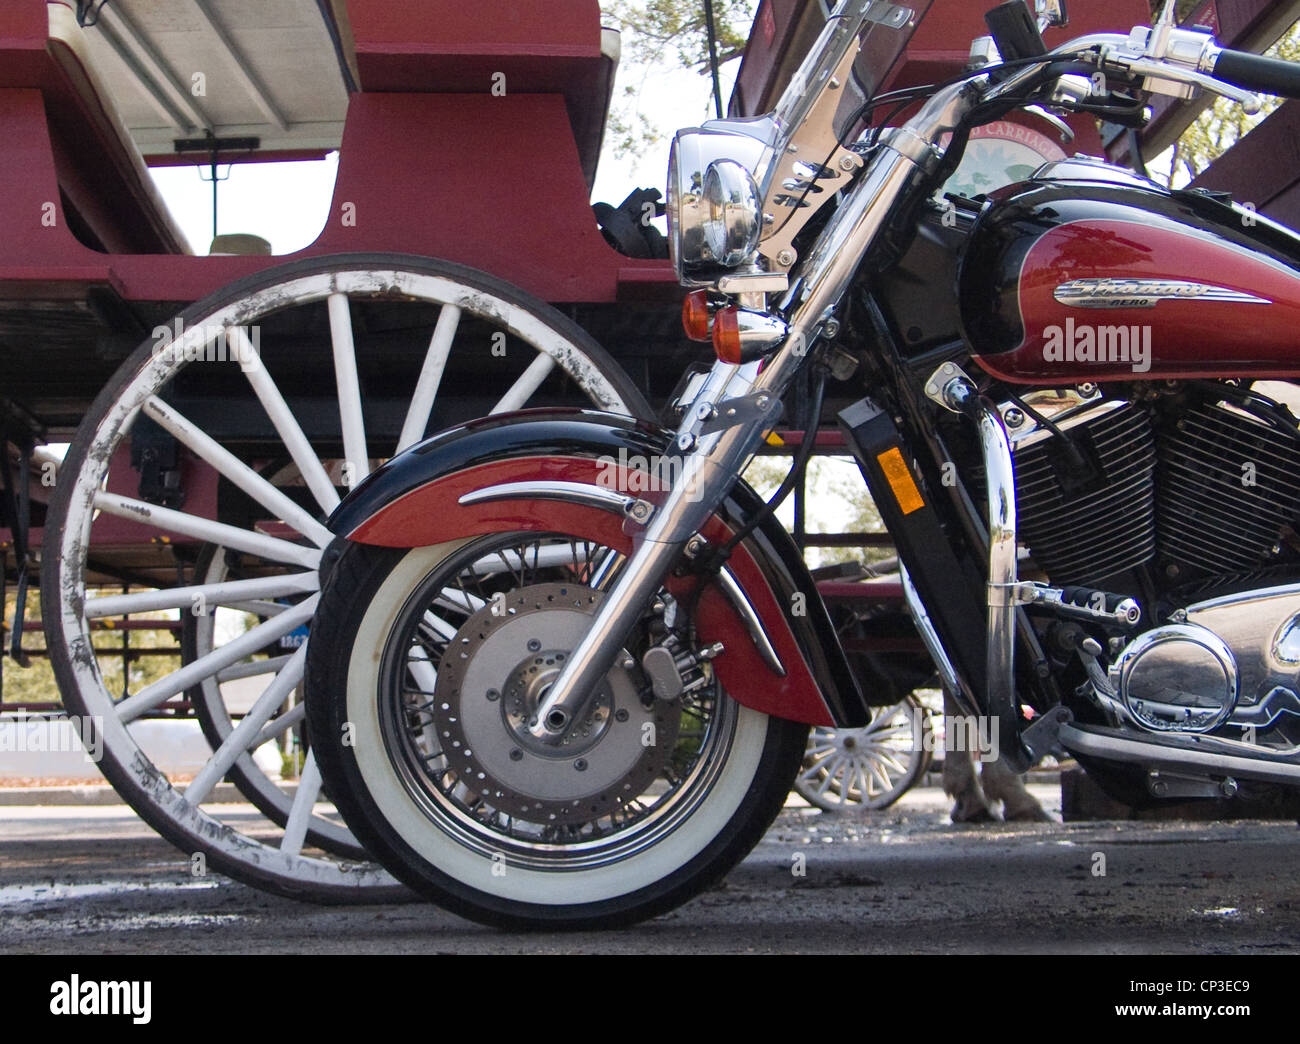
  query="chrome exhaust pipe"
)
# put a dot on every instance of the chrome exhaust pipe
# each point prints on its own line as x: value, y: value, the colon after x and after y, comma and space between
x: 1208, y: 755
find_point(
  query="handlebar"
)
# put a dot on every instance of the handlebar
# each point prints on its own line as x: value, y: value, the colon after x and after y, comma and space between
x: 1257, y: 73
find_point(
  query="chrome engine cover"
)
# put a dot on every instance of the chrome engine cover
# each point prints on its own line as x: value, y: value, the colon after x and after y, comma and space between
x: 1177, y: 678
x: 1236, y: 660
x: 1262, y: 628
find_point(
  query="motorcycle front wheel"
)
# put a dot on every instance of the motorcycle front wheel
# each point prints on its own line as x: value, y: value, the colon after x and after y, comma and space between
x: 424, y: 668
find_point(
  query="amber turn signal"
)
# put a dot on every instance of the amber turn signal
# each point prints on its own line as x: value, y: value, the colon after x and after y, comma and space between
x: 695, y: 315
x: 726, y: 335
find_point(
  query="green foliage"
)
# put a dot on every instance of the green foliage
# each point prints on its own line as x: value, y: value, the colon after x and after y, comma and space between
x: 655, y: 28
x: 662, y: 34
x: 838, y: 502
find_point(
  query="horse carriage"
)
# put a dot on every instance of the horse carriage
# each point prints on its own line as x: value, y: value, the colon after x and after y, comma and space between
x: 217, y: 407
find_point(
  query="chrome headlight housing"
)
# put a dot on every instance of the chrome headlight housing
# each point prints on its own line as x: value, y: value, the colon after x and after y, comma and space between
x: 715, y: 215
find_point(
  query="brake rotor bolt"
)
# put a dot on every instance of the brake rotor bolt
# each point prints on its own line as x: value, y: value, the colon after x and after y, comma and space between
x: 493, y: 695
x: 581, y: 764
x: 516, y: 755
x: 620, y: 715
x: 533, y: 645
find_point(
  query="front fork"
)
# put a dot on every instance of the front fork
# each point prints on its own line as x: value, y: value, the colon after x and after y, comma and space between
x: 715, y: 444
x: 713, y: 448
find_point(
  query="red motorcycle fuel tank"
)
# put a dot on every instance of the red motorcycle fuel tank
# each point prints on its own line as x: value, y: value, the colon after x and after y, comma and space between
x: 1087, y: 272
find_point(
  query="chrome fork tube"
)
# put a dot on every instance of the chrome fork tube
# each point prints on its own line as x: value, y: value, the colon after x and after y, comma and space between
x: 708, y: 469
x: 712, y: 462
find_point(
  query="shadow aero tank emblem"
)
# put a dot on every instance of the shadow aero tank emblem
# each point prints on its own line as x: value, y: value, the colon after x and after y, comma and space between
x: 1145, y: 293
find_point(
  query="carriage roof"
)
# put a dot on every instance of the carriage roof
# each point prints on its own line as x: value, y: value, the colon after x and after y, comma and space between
x: 281, y: 71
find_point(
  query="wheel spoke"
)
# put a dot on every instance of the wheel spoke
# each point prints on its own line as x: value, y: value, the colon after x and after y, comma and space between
x: 512, y: 561
x: 224, y: 594
x: 242, y: 735
x: 291, y: 434
x: 812, y: 772
x: 529, y: 381
x: 251, y: 669
x: 830, y: 775
x: 251, y: 641
x: 426, y: 387
x: 237, y: 471
x: 279, y: 725
x: 270, y: 548
x: 349, y: 389
x: 295, y: 831
x: 886, y: 784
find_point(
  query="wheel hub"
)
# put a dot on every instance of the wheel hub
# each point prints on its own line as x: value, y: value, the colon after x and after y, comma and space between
x: 495, y: 673
x: 524, y: 691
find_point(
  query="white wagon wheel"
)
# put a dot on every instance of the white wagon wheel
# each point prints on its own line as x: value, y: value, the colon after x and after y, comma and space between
x: 846, y: 770
x: 276, y: 367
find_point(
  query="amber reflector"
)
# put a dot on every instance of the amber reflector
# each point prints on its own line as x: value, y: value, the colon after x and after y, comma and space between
x: 695, y: 315
x: 726, y: 335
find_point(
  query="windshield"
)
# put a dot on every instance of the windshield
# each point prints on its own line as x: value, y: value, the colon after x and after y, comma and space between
x: 885, y: 29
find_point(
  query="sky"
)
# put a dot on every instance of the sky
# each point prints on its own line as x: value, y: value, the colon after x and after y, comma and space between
x: 254, y: 198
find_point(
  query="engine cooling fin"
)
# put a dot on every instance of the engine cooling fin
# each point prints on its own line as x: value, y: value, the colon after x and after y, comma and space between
x: 1228, y: 483
x: 1082, y: 532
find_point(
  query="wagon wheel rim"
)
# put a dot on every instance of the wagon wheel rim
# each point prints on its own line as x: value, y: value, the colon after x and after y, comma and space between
x: 295, y: 554
x: 869, y: 767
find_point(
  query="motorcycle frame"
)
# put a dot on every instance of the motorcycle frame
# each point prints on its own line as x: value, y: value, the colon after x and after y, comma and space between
x: 724, y: 422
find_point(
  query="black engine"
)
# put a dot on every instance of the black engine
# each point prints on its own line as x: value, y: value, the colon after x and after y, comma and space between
x: 1189, y: 486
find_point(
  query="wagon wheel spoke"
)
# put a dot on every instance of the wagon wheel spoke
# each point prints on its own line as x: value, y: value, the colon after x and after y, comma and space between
x: 426, y: 386
x: 319, y: 338
x: 290, y: 432
x: 524, y: 387
x: 295, y: 831
x: 232, y: 652
x: 349, y: 389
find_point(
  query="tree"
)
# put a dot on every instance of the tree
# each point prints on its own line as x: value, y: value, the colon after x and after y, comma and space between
x: 661, y: 34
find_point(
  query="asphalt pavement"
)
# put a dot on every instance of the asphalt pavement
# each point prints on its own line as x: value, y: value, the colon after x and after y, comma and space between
x: 96, y: 880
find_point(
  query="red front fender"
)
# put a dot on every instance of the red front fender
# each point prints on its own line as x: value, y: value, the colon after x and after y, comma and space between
x: 432, y: 513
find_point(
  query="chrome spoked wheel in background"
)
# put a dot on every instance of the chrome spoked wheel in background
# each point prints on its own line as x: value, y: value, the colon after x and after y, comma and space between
x: 644, y: 801
x: 285, y: 388
x: 847, y: 770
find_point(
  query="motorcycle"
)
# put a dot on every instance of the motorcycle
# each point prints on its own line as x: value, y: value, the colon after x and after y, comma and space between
x: 565, y: 663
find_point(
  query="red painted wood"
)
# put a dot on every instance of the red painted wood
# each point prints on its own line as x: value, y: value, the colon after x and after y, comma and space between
x: 1263, y: 168
x: 494, y: 183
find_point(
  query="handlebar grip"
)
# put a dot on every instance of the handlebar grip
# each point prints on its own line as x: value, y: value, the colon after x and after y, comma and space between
x: 1254, y: 72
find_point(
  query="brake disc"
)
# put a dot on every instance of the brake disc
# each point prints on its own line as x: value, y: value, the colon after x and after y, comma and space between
x: 491, y: 678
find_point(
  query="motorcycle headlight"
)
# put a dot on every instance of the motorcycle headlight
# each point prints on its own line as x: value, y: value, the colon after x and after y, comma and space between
x: 735, y: 219
x: 714, y: 209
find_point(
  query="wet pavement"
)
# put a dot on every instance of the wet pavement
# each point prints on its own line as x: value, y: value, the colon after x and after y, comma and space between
x: 96, y: 880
